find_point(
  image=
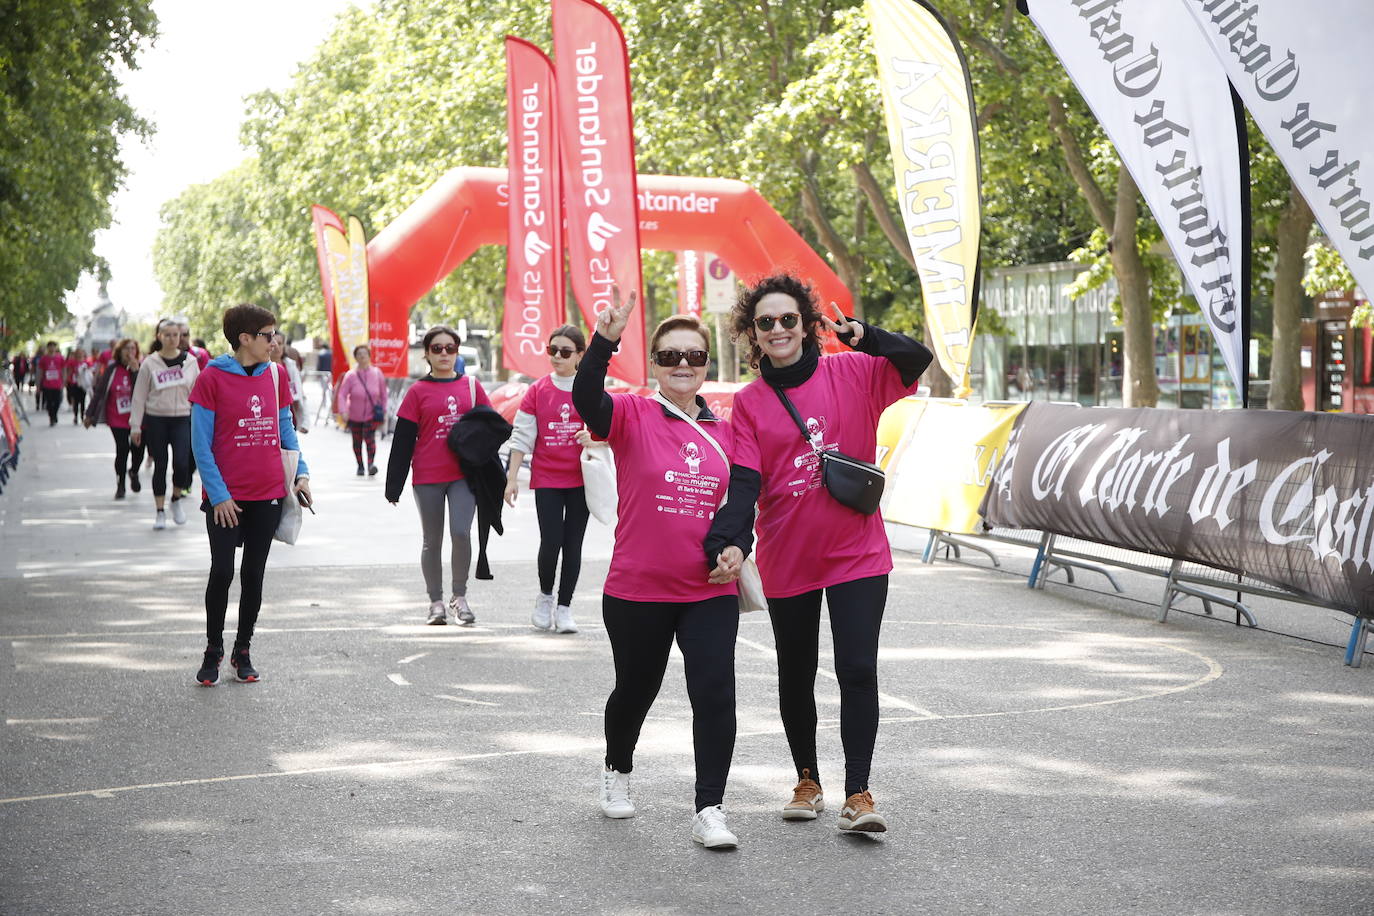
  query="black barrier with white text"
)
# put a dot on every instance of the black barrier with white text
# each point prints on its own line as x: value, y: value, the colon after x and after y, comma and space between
x: 1283, y: 497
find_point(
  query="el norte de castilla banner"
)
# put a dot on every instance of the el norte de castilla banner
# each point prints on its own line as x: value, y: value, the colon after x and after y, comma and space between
x: 928, y: 106
x: 1300, y: 67
x: 1284, y: 497
x: 1165, y: 103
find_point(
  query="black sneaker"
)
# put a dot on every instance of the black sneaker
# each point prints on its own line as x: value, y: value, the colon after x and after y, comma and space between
x: 119, y: 488
x: 133, y: 482
x: 243, y: 666
x: 361, y: 472
x: 209, y: 667
x: 372, y: 470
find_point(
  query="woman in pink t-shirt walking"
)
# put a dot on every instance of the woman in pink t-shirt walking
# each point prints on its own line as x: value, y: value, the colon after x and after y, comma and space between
x: 420, y: 444
x: 362, y: 401
x: 549, y: 428
x: 840, y: 398
x: 112, y: 403
x: 672, y: 469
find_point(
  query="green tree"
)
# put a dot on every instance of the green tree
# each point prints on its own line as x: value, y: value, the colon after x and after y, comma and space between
x: 62, y: 118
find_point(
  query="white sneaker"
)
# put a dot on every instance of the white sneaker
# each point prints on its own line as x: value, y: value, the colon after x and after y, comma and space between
x: 708, y: 829
x: 458, y: 607
x: 563, y: 621
x: 178, y: 513
x: 615, y: 794
x: 542, y: 618
x: 160, y: 521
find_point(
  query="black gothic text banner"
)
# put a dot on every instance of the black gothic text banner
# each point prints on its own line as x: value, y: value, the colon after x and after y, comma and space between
x: 1284, y: 497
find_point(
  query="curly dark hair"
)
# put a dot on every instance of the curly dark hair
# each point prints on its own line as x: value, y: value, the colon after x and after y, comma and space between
x: 742, y: 315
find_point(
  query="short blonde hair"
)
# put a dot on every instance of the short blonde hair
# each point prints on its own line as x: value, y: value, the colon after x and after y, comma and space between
x: 679, y: 323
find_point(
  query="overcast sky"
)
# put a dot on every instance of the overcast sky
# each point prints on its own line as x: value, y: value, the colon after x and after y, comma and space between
x: 191, y: 84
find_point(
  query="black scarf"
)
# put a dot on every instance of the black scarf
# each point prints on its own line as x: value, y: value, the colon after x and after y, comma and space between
x: 795, y: 374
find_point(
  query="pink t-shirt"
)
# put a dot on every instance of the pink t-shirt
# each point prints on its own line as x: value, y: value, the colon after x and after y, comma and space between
x: 806, y: 539
x: 247, y: 441
x: 557, y: 458
x: 119, y: 399
x: 359, y: 392
x: 70, y: 366
x: 434, y: 406
x: 50, y: 370
x: 670, y: 481
x: 201, y: 354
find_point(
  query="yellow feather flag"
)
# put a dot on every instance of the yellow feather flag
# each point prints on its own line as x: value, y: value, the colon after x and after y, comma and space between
x: 347, y: 258
x: 928, y: 104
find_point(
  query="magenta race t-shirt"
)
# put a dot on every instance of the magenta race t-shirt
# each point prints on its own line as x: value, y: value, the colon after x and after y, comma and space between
x: 806, y: 538
x: 434, y: 406
x: 119, y: 399
x: 557, y: 458
x: 50, y: 369
x: 670, y: 481
x: 247, y: 441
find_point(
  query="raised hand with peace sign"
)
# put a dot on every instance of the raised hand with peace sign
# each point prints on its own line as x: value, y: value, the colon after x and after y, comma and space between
x: 611, y: 322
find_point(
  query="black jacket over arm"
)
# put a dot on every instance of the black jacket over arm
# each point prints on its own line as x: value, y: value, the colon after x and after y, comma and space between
x: 589, y: 396
x: 908, y: 355
x: 475, y: 439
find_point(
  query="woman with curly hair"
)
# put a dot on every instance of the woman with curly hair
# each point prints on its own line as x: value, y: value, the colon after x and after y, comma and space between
x: 778, y: 465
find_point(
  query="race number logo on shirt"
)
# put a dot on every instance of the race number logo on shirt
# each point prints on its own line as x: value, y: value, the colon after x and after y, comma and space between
x: 168, y: 377
x: 257, y: 429
x: 809, y: 462
x: 693, y: 494
x: 447, y: 419
x: 123, y: 404
x: 561, y: 432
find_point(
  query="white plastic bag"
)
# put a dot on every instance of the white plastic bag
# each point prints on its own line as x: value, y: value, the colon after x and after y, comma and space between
x: 598, y: 479
x: 289, y: 526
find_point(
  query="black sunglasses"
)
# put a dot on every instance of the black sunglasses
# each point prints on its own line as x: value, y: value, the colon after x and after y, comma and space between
x: 788, y: 321
x: 443, y: 348
x: 565, y: 352
x: 670, y: 358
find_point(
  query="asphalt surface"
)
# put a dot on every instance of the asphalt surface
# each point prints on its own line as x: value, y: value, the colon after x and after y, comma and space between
x: 1052, y: 751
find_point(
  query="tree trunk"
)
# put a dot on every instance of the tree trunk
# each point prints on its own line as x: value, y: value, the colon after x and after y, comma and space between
x: 1285, y: 371
x: 941, y: 386
x: 1140, y: 387
x: 848, y: 266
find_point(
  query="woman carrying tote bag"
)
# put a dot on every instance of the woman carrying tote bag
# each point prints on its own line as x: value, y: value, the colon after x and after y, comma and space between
x: 239, y: 427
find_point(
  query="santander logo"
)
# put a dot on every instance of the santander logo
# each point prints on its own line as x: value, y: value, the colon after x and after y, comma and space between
x: 535, y: 248
x: 600, y: 231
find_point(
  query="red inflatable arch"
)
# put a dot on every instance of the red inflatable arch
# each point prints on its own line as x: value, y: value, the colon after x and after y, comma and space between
x: 466, y: 209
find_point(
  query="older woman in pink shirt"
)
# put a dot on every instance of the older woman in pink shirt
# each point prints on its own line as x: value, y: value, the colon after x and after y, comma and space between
x: 362, y: 402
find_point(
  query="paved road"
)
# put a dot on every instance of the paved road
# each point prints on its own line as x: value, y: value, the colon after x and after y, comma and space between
x: 1047, y: 751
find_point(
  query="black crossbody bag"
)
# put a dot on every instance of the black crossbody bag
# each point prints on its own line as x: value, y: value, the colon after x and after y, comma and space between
x: 853, y: 483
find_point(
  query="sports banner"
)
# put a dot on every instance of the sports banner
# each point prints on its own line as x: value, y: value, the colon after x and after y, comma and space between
x: 1283, y: 496
x: 534, y: 254
x: 347, y: 261
x: 928, y: 104
x: 689, y: 283
x: 596, y: 137
x: 943, y: 461
x: 1300, y: 69
x: 1166, y: 106
x: 323, y: 218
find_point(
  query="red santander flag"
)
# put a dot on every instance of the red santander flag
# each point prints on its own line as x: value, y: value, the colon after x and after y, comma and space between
x: 322, y: 217
x: 534, y: 254
x: 596, y: 133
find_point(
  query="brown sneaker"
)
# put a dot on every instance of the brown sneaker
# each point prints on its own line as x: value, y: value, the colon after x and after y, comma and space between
x: 806, y: 800
x: 858, y: 815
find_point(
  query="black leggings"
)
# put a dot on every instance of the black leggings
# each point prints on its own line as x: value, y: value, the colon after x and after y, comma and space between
x: 76, y: 396
x: 563, y: 518
x: 161, y: 433
x: 364, y: 433
x: 856, y: 617
x: 257, y: 523
x: 641, y: 635
x: 52, y: 401
x: 125, y: 450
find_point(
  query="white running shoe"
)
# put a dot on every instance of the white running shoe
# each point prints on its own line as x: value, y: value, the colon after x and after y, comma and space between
x: 542, y: 618
x: 458, y: 607
x: 160, y: 521
x: 708, y: 829
x: 178, y: 513
x: 615, y: 794
x: 563, y: 620
x: 438, y: 614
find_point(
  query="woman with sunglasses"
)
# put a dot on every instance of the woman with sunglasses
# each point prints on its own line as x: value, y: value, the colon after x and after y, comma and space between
x: 362, y: 403
x: 672, y: 469
x: 420, y: 442
x: 841, y: 398
x: 112, y: 402
x: 161, y: 412
x: 549, y: 430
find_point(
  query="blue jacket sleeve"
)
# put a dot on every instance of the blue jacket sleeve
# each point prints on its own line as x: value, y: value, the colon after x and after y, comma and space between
x: 202, y: 440
x: 289, y: 440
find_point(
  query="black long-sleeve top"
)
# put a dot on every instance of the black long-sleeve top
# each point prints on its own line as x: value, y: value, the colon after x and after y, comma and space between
x: 909, y: 356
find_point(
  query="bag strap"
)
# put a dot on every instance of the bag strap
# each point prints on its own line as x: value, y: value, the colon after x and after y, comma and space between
x: 792, y: 412
x: 276, y: 399
x: 370, y: 401
x: 472, y: 391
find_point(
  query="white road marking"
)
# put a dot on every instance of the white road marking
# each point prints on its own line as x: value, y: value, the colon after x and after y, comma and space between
x: 445, y: 696
x: 410, y: 658
x: 398, y: 680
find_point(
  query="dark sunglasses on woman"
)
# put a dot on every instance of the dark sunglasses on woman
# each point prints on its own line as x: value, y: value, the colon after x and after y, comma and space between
x: 670, y: 358
x: 443, y: 348
x: 565, y: 352
x: 788, y: 321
